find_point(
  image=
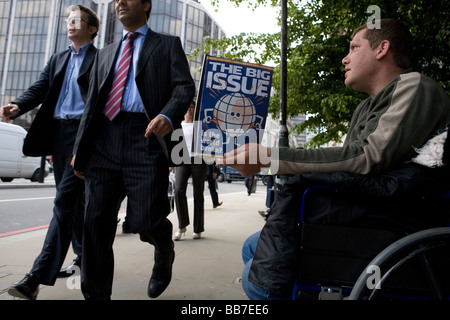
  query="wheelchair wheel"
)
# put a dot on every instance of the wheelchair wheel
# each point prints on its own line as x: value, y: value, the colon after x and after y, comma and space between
x: 424, y: 257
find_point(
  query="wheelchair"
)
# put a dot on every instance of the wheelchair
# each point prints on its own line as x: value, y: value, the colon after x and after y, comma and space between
x: 362, y: 262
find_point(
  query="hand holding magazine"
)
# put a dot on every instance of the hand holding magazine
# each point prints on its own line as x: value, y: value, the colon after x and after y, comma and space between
x: 232, y: 106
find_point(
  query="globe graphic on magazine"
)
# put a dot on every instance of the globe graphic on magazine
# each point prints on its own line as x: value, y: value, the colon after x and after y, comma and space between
x: 235, y: 114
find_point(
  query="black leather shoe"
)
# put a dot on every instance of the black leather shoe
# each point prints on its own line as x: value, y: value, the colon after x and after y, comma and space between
x: 27, y: 288
x: 69, y: 270
x: 161, y: 275
x: 126, y: 229
x: 217, y: 205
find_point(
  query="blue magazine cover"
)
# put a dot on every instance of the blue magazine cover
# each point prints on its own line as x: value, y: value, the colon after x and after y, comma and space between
x: 232, y: 105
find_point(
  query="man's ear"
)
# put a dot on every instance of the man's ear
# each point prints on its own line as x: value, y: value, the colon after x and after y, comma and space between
x: 383, y: 49
x: 92, y: 30
x: 147, y: 6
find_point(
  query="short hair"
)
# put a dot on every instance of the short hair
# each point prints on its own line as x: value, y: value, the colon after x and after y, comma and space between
x: 92, y: 16
x: 399, y: 37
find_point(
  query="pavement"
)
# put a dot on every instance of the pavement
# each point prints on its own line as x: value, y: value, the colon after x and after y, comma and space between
x: 206, y: 269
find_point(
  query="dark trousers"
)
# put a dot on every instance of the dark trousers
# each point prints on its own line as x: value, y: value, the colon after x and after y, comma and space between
x: 68, y: 211
x: 249, y: 181
x: 182, y: 174
x: 212, y: 185
x: 123, y: 163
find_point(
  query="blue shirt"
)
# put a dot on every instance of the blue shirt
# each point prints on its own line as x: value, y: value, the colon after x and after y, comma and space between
x: 70, y: 103
x: 131, y: 100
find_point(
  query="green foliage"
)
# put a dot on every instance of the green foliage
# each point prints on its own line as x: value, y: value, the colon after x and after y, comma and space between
x: 319, y: 33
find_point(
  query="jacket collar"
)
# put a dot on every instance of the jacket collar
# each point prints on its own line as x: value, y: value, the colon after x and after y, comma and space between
x: 88, y: 59
x: 151, y: 41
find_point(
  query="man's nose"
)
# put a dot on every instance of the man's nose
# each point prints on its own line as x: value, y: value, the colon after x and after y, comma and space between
x: 345, y: 60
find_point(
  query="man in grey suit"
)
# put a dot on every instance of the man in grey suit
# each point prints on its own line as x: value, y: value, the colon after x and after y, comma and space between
x: 127, y: 153
x: 61, y: 90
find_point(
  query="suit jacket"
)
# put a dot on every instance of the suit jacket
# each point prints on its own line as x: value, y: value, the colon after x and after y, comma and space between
x: 45, y: 91
x: 162, y: 78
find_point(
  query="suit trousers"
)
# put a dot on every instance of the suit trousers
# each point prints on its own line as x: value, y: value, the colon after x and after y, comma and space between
x: 123, y: 163
x: 68, y: 211
x: 182, y: 174
x: 62, y: 155
x: 212, y: 185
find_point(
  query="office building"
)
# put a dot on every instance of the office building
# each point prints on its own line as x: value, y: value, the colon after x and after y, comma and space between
x: 32, y: 30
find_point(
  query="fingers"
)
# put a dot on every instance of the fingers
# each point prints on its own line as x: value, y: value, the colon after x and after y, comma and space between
x: 7, y: 111
x: 240, y: 155
x: 242, y: 160
x: 79, y: 174
x: 159, y: 126
x: 3, y: 117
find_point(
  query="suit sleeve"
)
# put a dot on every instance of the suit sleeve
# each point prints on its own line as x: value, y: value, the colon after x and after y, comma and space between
x: 182, y: 84
x: 36, y: 93
x: 382, y: 138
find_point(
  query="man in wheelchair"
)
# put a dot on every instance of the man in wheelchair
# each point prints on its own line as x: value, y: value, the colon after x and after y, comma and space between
x: 378, y: 165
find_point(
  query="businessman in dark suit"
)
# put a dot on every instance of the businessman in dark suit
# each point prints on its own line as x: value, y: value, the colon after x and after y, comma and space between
x: 127, y: 152
x: 61, y: 90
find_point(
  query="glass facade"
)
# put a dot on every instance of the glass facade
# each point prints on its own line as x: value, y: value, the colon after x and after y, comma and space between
x: 189, y: 20
x: 32, y: 30
x: 167, y: 16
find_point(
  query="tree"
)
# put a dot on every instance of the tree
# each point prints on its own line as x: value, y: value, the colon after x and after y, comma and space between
x: 319, y: 33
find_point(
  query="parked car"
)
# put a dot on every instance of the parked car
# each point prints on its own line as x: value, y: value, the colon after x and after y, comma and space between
x: 13, y: 163
x: 230, y: 174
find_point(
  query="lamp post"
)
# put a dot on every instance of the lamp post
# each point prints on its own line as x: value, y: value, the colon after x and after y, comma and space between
x: 283, y: 133
x: 283, y: 140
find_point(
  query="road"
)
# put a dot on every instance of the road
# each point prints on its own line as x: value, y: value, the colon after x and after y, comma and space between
x: 24, y: 209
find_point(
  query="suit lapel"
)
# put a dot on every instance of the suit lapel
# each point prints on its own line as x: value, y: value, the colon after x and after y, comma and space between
x: 151, y: 41
x: 60, y: 68
x: 108, y: 64
x: 90, y: 55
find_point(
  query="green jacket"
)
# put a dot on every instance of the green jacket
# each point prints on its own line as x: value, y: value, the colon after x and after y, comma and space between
x: 383, y: 133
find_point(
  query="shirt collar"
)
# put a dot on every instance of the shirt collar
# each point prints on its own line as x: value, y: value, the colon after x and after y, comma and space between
x: 82, y: 50
x: 141, y: 31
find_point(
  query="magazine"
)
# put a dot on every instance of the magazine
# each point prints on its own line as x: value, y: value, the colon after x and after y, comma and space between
x: 232, y: 105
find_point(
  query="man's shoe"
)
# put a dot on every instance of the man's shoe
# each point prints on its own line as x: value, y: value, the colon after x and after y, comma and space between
x: 263, y: 213
x: 161, y: 276
x: 71, y: 269
x: 27, y: 288
x: 126, y: 229
x: 217, y: 205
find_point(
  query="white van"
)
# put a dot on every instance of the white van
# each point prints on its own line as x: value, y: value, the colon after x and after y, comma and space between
x: 13, y: 163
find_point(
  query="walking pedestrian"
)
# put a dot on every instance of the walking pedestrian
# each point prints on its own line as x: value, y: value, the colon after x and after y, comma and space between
x: 196, y: 168
x: 141, y: 90
x: 61, y: 91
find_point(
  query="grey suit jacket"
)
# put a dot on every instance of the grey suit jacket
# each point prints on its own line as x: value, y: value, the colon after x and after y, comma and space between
x: 163, y: 80
x: 45, y: 91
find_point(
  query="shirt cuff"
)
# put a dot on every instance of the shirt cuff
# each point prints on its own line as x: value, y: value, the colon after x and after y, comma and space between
x: 170, y: 121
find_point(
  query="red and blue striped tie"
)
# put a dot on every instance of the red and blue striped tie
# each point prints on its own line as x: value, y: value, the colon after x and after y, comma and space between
x: 114, y: 101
